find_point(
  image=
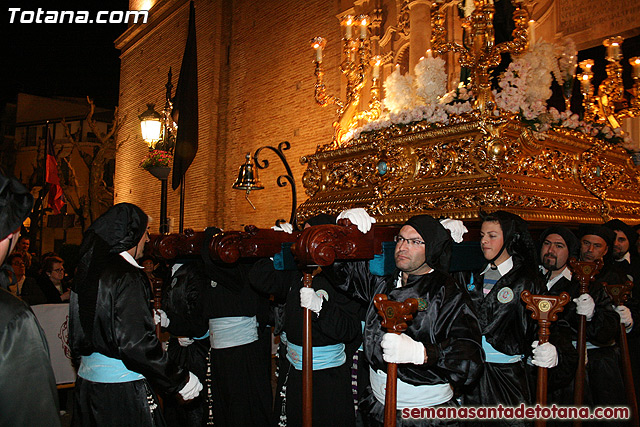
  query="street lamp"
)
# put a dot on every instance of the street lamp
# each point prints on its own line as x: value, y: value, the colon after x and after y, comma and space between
x: 248, y: 176
x: 158, y: 131
x: 151, y: 126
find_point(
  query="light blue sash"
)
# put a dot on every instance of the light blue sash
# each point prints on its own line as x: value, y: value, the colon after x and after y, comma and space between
x: 103, y: 369
x: 225, y: 332
x: 361, y: 348
x: 324, y: 357
x: 409, y: 395
x: 591, y: 346
x: 494, y: 356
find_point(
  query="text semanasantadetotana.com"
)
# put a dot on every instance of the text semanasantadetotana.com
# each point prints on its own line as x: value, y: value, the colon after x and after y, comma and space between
x: 521, y: 412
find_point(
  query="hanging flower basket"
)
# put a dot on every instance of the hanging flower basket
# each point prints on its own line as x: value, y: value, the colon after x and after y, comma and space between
x: 157, y: 163
x: 160, y: 172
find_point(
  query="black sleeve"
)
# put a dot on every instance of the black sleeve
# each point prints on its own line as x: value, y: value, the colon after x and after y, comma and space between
x: 353, y: 278
x: 134, y: 330
x: 190, y: 321
x: 339, y: 316
x: 265, y: 279
x: 562, y: 374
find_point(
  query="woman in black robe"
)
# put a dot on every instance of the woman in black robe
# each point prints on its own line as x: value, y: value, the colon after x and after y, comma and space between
x: 112, y: 330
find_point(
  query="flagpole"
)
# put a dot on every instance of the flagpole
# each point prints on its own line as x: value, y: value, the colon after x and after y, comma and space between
x: 182, y: 190
x: 44, y: 185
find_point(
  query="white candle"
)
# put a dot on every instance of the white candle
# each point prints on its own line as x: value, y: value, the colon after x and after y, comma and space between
x: 348, y: 21
x: 532, y: 32
x: 635, y: 67
x: 429, y: 55
x: 363, y: 29
x: 318, y: 44
x: 613, y: 48
x: 585, y: 83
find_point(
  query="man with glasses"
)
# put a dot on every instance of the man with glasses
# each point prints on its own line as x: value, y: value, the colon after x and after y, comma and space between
x: 440, y: 351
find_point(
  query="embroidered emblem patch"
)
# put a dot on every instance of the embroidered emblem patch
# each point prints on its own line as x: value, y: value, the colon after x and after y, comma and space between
x: 422, y: 304
x: 323, y: 294
x: 505, y: 295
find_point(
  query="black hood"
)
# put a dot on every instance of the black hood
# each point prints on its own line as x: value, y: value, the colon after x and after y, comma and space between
x: 437, y: 241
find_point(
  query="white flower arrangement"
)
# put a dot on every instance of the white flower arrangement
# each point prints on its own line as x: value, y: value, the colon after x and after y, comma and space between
x: 430, y: 82
x: 398, y: 92
x: 525, y: 88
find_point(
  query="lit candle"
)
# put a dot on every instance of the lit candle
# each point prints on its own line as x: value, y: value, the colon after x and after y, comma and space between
x: 585, y: 83
x: 532, y: 32
x: 347, y: 21
x: 318, y: 44
x: 363, y: 27
x: 635, y: 67
x: 613, y: 48
x: 376, y: 67
x: 429, y: 54
x: 586, y: 65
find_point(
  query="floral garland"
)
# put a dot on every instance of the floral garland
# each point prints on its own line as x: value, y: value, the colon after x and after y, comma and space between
x: 525, y: 88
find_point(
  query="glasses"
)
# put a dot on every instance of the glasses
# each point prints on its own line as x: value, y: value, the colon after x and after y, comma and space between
x: 58, y: 270
x: 412, y: 243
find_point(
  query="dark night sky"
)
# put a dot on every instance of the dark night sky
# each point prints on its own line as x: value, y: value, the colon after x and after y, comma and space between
x: 61, y: 59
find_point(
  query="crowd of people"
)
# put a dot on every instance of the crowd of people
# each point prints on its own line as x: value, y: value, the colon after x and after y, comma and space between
x: 471, y: 343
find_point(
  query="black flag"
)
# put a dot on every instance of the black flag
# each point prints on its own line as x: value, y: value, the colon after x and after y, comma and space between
x: 185, y: 106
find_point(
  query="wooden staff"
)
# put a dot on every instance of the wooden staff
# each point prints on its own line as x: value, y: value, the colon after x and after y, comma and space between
x: 584, y: 271
x: 619, y: 294
x: 395, y: 315
x: 156, y: 284
x: 544, y: 309
x: 307, y: 361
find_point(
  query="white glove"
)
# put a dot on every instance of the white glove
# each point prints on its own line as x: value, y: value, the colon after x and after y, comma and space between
x: 455, y: 227
x: 402, y: 349
x: 284, y: 226
x: 159, y: 316
x: 625, y: 316
x: 358, y: 217
x: 192, y: 389
x: 185, y: 341
x: 585, y: 305
x: 309, y: 299
x: 544, y: 355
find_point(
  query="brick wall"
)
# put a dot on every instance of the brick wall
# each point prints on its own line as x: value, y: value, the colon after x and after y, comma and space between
x: 256, y: 81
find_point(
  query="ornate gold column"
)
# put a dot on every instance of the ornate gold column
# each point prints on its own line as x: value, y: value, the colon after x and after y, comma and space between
x: 420, y: 31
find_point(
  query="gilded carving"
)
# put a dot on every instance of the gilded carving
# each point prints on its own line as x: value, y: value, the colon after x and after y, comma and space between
x: 474, y: 162
x: 311, y: 176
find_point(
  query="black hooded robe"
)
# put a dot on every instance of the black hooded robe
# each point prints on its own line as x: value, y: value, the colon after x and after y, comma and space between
x: 448, y: 328
x: 508, y: 327
x: 181, y: 296
x: 241, y: 375
x: 337, y: 322
x: 109, y: 313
